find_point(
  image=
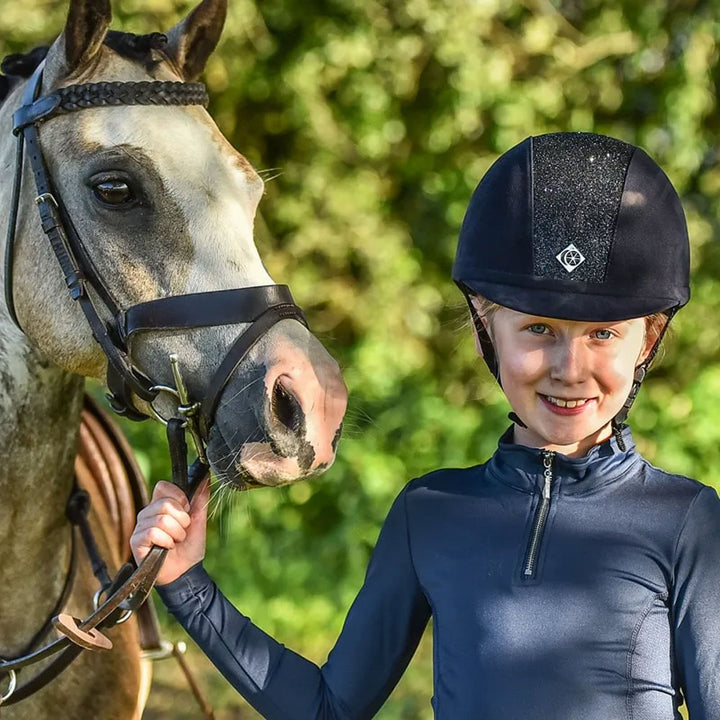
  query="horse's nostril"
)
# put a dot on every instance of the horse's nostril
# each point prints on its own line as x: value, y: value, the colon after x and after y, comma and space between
x: 286, y: 408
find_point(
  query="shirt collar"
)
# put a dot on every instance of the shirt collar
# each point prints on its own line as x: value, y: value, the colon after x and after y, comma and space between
x: 522, y: 467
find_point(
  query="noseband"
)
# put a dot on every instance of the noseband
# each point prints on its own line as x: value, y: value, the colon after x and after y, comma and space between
x: 257, y: 307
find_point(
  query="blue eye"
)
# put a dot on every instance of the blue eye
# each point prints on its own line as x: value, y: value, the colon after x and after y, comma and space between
x: 603, y: 334
x: 538, y: 328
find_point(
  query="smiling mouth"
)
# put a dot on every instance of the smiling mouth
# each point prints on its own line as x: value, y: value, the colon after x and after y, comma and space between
x: 563, y: 403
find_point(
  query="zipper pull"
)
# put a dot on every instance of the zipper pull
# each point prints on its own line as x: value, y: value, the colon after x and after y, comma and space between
x: 548, y: 456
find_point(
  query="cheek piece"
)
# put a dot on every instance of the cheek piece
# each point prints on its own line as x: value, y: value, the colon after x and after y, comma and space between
x: 490, y: 358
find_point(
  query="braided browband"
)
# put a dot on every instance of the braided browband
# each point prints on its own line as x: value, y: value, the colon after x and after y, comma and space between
x: 107, y: 94
x: 77, y: 97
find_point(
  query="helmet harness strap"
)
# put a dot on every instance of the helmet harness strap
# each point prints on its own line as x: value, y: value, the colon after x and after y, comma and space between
x: 640, y: 373
x: 488, y: 350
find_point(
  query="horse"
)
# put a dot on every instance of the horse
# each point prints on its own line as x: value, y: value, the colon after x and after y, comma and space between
x: 164, y: 208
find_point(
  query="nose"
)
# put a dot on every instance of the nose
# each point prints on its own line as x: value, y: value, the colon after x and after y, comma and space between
x: 570, y: 361
x: 306, y: 401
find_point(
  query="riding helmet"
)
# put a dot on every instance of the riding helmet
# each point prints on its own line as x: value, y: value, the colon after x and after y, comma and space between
x: 575, y: 226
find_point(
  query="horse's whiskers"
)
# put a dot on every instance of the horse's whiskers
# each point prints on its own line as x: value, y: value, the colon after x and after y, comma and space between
x: 267, y: 176
x: 227, y: 400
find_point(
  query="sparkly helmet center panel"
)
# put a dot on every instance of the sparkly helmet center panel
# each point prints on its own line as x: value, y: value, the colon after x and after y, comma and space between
x: 577, y: 188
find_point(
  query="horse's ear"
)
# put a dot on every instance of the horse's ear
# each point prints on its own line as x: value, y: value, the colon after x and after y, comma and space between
x: 87, y: 23
x: 192, y: 40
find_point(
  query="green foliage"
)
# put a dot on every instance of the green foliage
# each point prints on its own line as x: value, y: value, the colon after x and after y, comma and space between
x: 378, y: 119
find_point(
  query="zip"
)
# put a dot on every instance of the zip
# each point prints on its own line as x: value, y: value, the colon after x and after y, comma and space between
x: 541, y: 517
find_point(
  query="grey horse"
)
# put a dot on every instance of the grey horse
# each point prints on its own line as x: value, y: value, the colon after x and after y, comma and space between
x: 165, y: 206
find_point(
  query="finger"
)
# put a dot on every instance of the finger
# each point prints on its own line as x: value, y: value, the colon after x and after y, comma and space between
x: 164, y: 506
x: 144, y: 540
x: 165, y: 489
x: 166, y: 523
x: 169, y: 525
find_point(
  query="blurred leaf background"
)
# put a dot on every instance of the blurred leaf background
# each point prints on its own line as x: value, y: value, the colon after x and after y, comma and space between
x: 373, y: 121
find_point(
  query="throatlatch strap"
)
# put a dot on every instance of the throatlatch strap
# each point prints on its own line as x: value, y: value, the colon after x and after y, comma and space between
x: 11, y: 230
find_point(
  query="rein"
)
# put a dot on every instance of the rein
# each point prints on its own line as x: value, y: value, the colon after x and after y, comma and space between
x: 257, y: 307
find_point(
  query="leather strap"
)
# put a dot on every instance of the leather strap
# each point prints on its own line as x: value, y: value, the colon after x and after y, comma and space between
x: 221, y: 307
x: 103, y: 94
x: 237, y: 353
x: 178, y: 454
x: 11, y: 231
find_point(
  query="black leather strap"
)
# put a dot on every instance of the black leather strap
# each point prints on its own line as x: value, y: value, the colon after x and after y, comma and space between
x: 178, y: 454
x: 77, y: 509
x: 221, y: 307
x: 103, y: 94
x: 46, y: 675
x: 237, y: 353
x: 11, y: 230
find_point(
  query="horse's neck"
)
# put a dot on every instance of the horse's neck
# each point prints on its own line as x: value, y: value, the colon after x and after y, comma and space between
x: 39, y: 416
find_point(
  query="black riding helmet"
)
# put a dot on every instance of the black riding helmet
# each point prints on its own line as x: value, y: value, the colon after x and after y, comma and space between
x: 575, y: 226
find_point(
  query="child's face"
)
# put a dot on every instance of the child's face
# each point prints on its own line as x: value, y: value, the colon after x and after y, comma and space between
x: 565, y: 379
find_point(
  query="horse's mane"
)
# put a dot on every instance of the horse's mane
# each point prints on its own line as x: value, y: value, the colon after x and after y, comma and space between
x: 135, y: 47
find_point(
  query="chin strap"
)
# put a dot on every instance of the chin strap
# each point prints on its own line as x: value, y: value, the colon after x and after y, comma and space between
x: 618, y: 422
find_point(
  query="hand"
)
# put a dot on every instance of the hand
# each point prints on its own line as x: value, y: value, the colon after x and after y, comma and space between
x: 171, y: 522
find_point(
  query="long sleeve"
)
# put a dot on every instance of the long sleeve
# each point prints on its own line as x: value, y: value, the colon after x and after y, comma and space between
x: 380, y: 634
x: 696, y: 607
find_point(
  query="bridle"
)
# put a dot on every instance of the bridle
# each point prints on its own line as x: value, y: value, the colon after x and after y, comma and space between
x: 257, y: 307
x: 260, y: 307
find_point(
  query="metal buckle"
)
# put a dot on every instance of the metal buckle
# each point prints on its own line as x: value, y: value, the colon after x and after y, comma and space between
x: 46, y: 197
x: 11, y: 687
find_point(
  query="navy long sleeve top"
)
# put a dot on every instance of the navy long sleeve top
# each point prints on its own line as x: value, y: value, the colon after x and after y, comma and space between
x: 560, y: 588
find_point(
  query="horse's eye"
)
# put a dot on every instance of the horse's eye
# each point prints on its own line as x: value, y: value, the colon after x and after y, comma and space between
x: 113, y: 192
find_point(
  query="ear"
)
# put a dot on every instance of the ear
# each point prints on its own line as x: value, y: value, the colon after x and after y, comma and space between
x: 87, y: 23
x: 192, y: 40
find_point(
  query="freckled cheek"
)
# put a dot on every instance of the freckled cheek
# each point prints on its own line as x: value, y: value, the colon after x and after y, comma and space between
x: 617, y: 377
x: 523, y: 367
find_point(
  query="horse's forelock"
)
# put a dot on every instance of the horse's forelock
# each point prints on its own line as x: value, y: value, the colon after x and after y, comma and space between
x: 139, y: 48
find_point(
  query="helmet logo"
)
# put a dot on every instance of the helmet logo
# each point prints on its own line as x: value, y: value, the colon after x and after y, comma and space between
x: 570, y: 258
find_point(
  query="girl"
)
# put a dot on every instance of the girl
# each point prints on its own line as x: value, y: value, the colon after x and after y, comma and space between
x: 566, y: 576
